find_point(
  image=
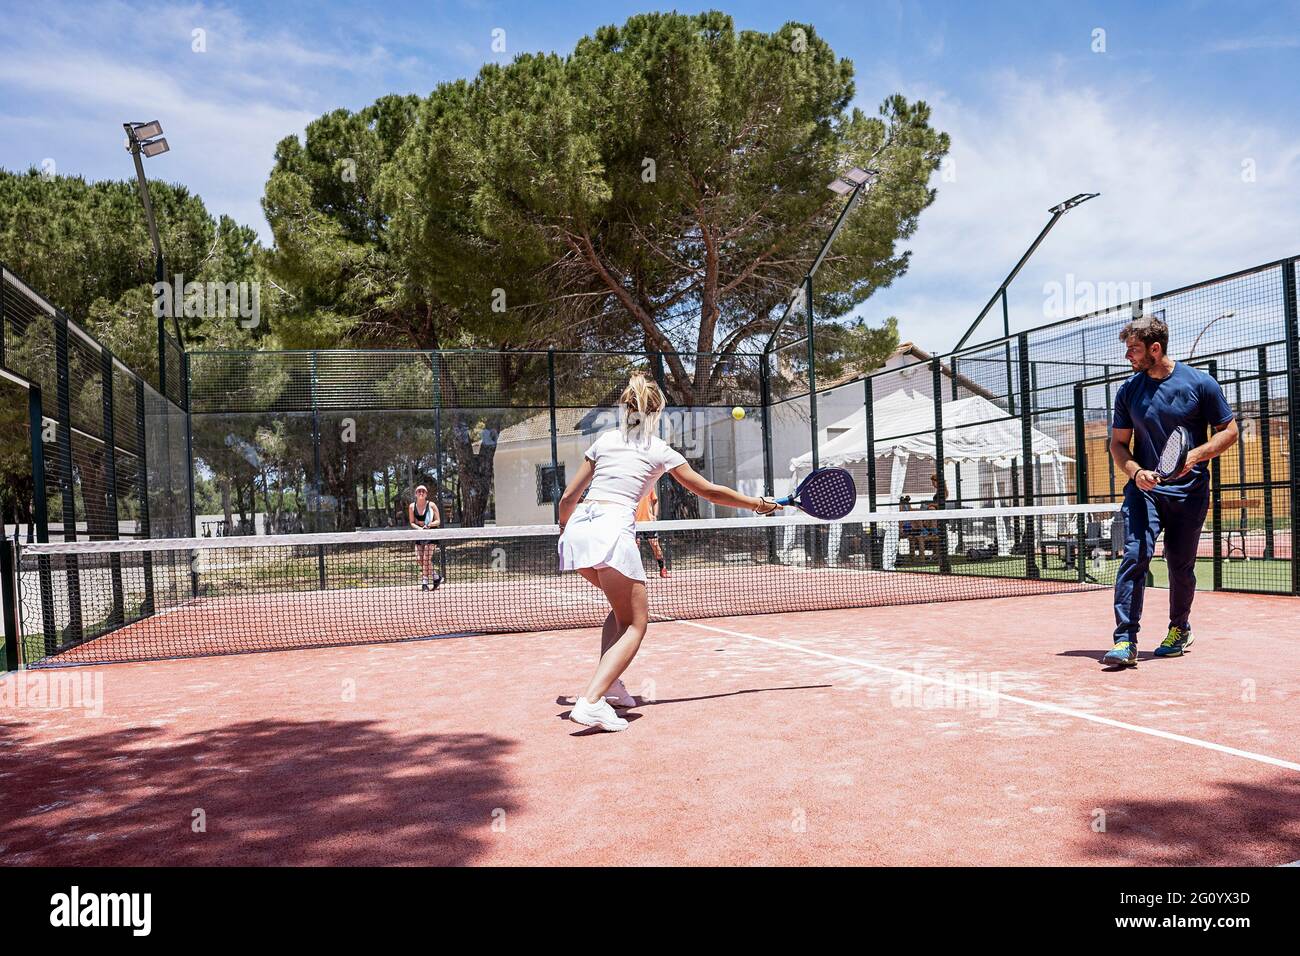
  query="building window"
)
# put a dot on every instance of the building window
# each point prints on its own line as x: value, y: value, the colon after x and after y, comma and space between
x: 550, y: 483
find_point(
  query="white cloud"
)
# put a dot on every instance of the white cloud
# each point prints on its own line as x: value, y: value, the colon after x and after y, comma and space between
x: 1174, y: 207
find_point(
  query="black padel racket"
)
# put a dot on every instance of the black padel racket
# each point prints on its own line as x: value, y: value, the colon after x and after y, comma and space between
x: 1174, y: 455
x: 827, y: 493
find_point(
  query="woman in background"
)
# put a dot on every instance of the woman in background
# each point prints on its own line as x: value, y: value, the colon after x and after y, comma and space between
x: 422, y: 514
x: 648, y: 510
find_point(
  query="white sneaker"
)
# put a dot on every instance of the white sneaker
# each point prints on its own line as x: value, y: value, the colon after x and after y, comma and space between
x: 617, y: 695
x: 599, y: 715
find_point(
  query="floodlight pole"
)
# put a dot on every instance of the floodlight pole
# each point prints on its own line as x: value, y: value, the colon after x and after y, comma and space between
x: 806, y: 284
x: 133, y: 145
x: 1057, y: 212
x: 805, y: 292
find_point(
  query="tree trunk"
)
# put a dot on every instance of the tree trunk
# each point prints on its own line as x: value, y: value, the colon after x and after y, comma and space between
x: 475, y: 470
x: 226, y: 511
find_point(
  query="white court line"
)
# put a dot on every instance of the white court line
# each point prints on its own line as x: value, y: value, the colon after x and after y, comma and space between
x: 1037, y: 704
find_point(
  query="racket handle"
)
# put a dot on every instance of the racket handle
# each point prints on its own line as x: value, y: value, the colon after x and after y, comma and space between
x: 785, y: 502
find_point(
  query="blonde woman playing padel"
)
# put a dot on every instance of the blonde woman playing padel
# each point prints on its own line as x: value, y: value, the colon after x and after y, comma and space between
x: 598, y: 535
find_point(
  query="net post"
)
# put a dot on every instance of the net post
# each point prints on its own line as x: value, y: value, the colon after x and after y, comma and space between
x: 9, y: 605
x: 117, y: 614
x: 555, y: 449
x: 936, y: 391
x: 1027, y: 452
x: 1266, y: 446
x: 1292, y: 307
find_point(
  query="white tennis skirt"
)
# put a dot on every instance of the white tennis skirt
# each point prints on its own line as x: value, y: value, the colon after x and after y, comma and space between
x: 601, y: 535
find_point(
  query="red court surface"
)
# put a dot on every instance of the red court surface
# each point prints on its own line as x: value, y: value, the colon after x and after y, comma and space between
x: 834, y: 737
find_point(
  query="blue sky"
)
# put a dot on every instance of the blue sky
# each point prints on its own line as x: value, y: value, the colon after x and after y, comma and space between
x: 1187, y: 123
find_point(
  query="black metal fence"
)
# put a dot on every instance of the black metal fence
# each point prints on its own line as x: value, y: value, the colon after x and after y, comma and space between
x: 300, y: 441
x: 92, y: 451
x: 1025, y: 420
x: 276, y: 442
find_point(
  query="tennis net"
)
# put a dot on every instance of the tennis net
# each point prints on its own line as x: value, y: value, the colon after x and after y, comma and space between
x: 101, y: 601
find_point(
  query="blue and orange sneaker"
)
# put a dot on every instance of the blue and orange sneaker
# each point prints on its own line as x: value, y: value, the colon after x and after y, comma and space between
x: 1176, y: 642
x: 1123, y: 654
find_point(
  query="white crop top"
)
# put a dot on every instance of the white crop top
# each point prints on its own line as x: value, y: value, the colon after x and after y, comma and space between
x: 626, y: 469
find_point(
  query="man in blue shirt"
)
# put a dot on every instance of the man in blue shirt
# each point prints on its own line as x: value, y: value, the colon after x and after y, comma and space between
x: 1149, y: 406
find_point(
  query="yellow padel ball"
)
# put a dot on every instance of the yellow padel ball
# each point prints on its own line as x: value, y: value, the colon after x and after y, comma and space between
x: 737, y: 413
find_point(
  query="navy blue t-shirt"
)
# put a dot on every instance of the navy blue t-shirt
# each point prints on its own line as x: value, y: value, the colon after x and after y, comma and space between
x: 1154, y: 408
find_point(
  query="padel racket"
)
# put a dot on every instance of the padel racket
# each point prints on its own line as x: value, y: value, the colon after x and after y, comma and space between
x: 1173, y: 457
x: 828, y: 493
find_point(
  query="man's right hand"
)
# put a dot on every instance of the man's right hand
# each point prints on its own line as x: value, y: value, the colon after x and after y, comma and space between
x: 1146, y: 479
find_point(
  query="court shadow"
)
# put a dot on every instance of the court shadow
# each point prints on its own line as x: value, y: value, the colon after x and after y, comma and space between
x: 269, y: 792
x: 1243, y: 824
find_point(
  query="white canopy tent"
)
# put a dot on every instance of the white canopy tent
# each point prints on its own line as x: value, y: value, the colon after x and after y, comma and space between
x: 975, y: 430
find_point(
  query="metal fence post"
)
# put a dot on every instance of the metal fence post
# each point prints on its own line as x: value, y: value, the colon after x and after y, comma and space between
x: 936, y: 389
x: 117, y: 614
x: 1110, y: 415
x: 765, y: 413
x: 957, y: 466
x: 1216, y: 503
x: 66, y: 487
x: 162, y: 354
x: 192, y: 524
x: 555, y: 445
x: 9, y: 604
x: 435, y: 359
x: 1027, y: 454
x: 1266, y: 446
x: 40, y: 514
x: 316, y: 482
x: 869, y: 401
x: 1080, y: 479
x: 142, y: 527
x: 1292, y: 307
x: 875, y: 549
x: 40, y: 499
x: 812, y: 370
